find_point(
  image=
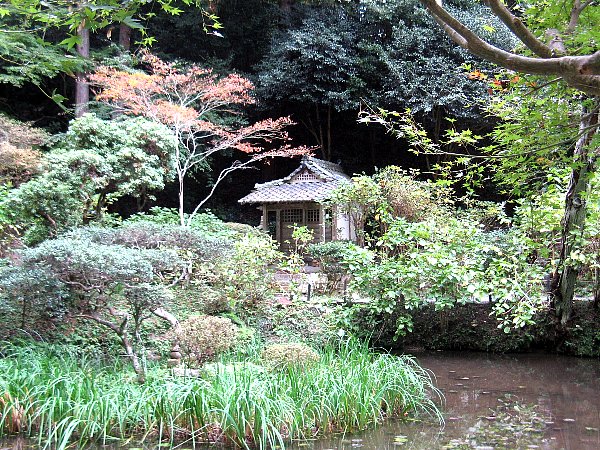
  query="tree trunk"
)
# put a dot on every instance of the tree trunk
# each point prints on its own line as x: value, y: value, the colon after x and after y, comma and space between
x: 285, y: 9
x: 596, y: 288
x: 181, y: 201
x: 286, y: 6
x: 328, y: 155
x: 125, y: 36
x: 135, y: 361
x: 372, y: 148
x: 322, y: 142
x: 82, y: 87
x: 573, y: 222
x: 121, y: 331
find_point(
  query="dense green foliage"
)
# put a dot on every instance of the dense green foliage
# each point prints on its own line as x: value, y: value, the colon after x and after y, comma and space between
x: 93, y: 164
x: 423, y: 250
x: 335, y: 58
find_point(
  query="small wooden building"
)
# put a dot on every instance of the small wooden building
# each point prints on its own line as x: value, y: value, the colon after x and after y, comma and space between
x: 297, y: 200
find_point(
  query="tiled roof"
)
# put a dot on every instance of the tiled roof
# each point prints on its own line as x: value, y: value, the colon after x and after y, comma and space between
x: 330, y: 176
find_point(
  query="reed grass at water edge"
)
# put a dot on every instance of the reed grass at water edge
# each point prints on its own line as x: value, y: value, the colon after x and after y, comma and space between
x: 57, y: 397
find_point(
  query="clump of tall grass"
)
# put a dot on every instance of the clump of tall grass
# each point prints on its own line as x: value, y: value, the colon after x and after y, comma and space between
x: 61, y: 398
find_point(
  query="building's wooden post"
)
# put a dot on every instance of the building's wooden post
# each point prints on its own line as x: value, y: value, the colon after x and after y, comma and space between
x: 334, y: 225
x: 323, y: 223
x: 278, y: 226
x: 264, y: 220
x: 304, y: 207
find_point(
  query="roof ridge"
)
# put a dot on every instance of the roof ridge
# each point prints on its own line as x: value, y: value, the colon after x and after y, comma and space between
x: 327, y: 168
x: 330, y: 174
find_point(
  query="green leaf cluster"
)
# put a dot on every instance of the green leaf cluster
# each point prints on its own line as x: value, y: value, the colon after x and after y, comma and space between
x: 446, y: 262
x: 388, y: 53
x: 26, y: 58
x: 94, y: 163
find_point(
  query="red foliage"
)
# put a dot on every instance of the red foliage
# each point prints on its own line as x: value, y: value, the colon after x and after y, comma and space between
x: 183, y: 100
x: 187, y: 102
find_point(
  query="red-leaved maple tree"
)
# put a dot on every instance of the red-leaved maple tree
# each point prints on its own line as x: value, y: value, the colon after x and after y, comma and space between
x: 188, y: 102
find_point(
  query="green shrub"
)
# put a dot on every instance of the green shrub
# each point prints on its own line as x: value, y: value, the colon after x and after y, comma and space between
x: 116, y: 286
x: 199, y: 297
x: 445, y: 263
x: 93, y: 164
x: 283, y: 356
x: 207, y: 223
x: 31, y: 300
x: 409, y: 198
x: 201, y: 338
x: 330, y: 255
x: 245, y: 278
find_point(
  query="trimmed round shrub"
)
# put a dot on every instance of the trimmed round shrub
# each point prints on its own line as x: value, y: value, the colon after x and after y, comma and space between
x: 203, y: 337
x: 287, y: 355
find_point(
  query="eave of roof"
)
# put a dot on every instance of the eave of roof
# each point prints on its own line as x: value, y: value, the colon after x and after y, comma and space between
x: 311, y: 191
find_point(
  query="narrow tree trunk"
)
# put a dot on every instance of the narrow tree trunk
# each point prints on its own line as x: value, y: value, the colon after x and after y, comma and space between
x: 437, y: 131
x: 322, y: 142
x: 100, y: 203
x: 121, y: 331
x: 573, y: 222
x: 286, y: 6
x: 125, y: 36
x: 82, y: 88
x: 135, y: 361
x: 596, y: 288
x: 181, y: 198
x: 328, y: 156
x: 372, y: 151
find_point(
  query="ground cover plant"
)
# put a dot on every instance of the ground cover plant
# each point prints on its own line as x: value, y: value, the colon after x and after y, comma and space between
x: 58, y: 396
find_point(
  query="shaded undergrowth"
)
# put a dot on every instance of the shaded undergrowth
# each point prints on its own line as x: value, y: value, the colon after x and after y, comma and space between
x: 59, y: 398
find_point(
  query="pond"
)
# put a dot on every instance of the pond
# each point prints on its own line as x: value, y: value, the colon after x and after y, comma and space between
x: 499, y: 401
x: 523, y: 401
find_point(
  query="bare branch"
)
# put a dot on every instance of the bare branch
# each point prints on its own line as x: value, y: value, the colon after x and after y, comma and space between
x: 166, y: 315
x: 96, y: 317
x: 541, y: 86
x: 576, y: 11
x: 457, y: 38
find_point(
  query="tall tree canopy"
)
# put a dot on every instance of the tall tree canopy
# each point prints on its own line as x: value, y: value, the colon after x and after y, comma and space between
x: 389, y: 54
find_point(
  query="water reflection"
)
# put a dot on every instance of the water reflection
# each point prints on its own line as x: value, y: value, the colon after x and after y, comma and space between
x: 557, y: 401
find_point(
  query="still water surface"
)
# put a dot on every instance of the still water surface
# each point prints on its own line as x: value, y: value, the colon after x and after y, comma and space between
x: 523, y: 401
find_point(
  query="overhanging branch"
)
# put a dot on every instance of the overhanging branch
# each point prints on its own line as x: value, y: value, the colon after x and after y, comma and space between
x: 517, y: 27
x: 581, y: 72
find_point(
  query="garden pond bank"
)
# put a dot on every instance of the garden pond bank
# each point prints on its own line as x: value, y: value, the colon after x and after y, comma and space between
x: 492, y: 402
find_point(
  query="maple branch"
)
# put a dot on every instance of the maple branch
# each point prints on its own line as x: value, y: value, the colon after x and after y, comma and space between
x: 183, y: 101
x: 576, y: 11
x: 235, y: 166
x: 581, y: 72
x: 517, y: 27
x: 541, y: 86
